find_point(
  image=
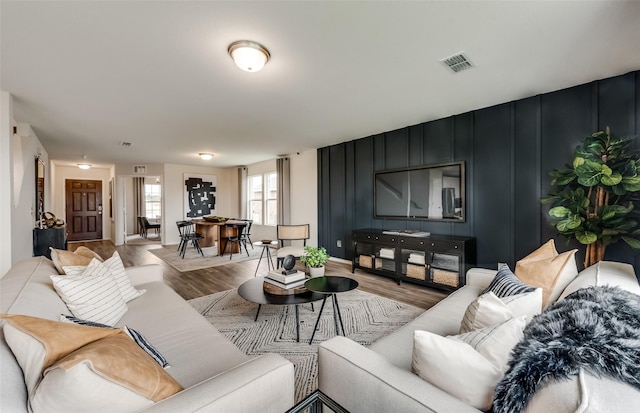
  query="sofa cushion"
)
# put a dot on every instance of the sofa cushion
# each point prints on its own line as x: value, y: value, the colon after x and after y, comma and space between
x: 470, y: 365
x: 547, y: 269
x: 116, y: 267
x: 604, y: 273
x: 93, y: 296
x: 488, y: 309
x: 104, y: 367
x: 505, y: 283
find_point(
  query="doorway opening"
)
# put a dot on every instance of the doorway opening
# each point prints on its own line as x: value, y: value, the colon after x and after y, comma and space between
x: 143, y: 210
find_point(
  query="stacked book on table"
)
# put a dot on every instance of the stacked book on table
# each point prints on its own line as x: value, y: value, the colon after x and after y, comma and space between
x: 286, y: 282
x: 416, y: 258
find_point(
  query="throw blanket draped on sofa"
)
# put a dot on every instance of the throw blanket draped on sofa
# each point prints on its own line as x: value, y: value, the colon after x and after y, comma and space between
x: 595, y: 329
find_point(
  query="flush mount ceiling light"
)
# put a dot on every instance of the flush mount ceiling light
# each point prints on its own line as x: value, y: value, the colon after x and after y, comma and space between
x: 84, y: 165
x: 249, y: 56
x: 205, y: 156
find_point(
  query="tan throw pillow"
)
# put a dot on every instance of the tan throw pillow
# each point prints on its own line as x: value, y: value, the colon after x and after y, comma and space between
x: 70, y: 367
x: 63, y: 258
x: 86, y: 252
x: 545, y: 268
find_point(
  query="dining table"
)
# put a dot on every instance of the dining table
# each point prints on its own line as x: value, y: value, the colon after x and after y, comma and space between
x: 213, y: 231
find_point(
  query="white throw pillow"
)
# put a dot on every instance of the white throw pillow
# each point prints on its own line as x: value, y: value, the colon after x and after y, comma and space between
x: 93, y: 296
x: 116, y: 267
x: 485, y: 311
x: 488, y: 309
x: 467, y: 366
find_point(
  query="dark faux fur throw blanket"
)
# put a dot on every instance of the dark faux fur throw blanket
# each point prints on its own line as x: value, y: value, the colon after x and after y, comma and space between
x: 595, y: 329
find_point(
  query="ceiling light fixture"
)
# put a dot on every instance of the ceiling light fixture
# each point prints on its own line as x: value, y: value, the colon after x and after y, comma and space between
x: 249, y: 56
x: 205, y: 156
x: 84, y: 166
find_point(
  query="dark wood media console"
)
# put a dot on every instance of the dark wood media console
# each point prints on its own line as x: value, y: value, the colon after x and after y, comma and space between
x: 439, y: 261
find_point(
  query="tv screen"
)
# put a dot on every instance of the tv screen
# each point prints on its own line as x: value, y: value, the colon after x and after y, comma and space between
x: 433, y: 192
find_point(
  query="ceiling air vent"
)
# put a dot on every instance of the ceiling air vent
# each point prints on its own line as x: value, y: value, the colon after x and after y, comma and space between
x: 125, y: 144
x: 457, y: 63
x: 139, y: 169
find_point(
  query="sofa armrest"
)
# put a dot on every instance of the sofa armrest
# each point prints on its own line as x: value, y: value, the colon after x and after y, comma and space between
x: 263, y: 384
x: 142, y: 274
x: 480, y: 277
x: 363, y: 381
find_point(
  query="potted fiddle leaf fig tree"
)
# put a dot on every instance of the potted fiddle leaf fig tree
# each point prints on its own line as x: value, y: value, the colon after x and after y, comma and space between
x: 315, y: 258
x: 595, y: 199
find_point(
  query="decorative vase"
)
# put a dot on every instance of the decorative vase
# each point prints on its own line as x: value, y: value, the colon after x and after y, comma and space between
x: 316, y: 271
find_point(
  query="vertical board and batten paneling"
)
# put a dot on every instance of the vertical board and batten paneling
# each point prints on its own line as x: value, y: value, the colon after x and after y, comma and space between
x: 508, y: 150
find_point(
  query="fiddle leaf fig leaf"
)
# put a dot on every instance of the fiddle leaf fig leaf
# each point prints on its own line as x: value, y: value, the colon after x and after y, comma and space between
x: 589, y: 179
x: 577, y: 161
x: 559, y: 212
x: 611, y: 180
x: 586, y: 237
x: 606, y: 171
x: 632, y: 242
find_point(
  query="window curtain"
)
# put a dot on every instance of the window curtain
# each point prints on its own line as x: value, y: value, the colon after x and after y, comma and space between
x: 284, y: 191
x: 242, y: 191
x: 139, y: 209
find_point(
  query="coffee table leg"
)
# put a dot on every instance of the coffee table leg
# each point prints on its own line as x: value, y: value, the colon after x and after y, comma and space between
x: 257, y: 312
x: 259, y: 261
x: 270, y: 260
x: 324, y: 300
x: 335, y: 300
x: 297, y: 325
x: 335, y: 314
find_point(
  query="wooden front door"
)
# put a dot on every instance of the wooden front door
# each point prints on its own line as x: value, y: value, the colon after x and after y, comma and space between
x: 84, y: 209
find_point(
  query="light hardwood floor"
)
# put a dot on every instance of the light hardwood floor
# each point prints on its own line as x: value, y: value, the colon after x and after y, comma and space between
x: 207, y: 281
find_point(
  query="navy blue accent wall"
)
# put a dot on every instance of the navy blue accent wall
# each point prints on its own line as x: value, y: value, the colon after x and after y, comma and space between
x: 508, y: 150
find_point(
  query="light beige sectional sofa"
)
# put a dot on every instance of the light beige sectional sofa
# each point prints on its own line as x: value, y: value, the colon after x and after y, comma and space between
x: 380, y: 378
x: 216, y: 375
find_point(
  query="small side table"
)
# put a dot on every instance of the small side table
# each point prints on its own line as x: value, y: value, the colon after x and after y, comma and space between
x: 330, y: 286
x: 265, y: 247
x: 317, y: 402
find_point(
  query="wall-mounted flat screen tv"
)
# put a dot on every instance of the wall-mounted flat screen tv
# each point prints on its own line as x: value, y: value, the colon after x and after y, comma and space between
x: 431, y: 192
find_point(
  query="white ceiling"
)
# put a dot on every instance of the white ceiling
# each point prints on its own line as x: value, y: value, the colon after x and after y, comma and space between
x: 87, y: 75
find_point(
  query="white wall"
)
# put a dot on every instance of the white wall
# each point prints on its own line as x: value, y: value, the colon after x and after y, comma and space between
x: 173, y: 195
x: 6, y: 181
x: 304, y: 192
x: 64, y: 172
x: 17, y: 186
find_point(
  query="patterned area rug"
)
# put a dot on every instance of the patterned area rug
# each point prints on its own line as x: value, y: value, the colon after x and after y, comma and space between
x: 194, y: 261
x: 366, y: 318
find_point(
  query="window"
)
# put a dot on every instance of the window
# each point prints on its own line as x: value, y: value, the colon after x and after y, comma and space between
x: 152, y: 200
x: 262, y: 198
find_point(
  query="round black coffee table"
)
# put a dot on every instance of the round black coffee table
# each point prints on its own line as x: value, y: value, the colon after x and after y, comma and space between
x: 253, y: 291
x: 330, y: 286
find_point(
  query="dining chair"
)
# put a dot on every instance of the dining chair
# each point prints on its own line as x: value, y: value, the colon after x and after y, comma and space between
x: 246, y: 234
x: 238, y: 228
x: 146, y: 225
x: 291, y: 233
x: 188, y: 234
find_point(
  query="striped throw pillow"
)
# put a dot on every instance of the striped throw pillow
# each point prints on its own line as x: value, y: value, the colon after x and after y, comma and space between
x: 147, y: 347
x: 64, y: 318
x: 505, y: 283
x: 92, y: 296
x: 115, y: 265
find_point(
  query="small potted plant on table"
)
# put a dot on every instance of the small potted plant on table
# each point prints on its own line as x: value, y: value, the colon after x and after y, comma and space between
x: 315, y: 258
